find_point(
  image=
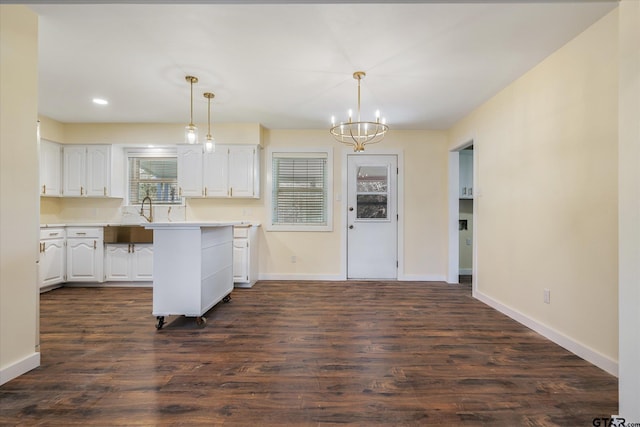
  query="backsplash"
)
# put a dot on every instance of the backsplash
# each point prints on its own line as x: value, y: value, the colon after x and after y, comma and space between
x: 98, y: 210
x: 163, y: 213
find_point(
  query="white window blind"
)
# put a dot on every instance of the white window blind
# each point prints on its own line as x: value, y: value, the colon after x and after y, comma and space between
x: 156, y: 177
x: 299, y: 186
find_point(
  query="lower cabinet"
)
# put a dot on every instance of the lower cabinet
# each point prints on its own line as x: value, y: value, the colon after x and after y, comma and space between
x: 84, y: 254
x: 51, y: 264
x: 128, y: 262
x: 245, y: 256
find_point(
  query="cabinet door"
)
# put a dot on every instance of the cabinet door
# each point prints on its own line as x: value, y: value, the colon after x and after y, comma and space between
x: 190, y: 170
x: 242, y: 171
x: 98, y: 170
x: 74, y: 171
x: 50, y: 168
x: 117, y: 260
x: 240, y: 260
x: 142, y: 262
x: 84, y: 260
x: 216, y: 173
x: 52, y: 265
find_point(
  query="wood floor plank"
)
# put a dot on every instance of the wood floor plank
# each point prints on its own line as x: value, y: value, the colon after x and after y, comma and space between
x: 301, y: 353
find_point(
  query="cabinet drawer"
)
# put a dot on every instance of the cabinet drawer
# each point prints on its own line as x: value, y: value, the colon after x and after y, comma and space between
x: 241, y: 232
x: 93, y: 232
x: 51, y: 233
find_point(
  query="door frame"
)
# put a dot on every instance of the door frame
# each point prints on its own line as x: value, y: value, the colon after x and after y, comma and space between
x: 454, y: 213
x: 342, y: 199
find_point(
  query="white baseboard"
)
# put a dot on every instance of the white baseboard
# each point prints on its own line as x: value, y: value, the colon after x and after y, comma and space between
x: 20, y: 367
x: 337, y: 277
x: 328, y: 277
x: 465, y: 271
x: 422, y: 277
x: 590, y: 355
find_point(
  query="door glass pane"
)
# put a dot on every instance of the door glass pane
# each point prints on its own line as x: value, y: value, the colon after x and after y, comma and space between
x: 372, y: 197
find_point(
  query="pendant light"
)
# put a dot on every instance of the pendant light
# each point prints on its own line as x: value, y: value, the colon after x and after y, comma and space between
x: 359, y: 133
x: 209, y: 143
x: 191, y: 130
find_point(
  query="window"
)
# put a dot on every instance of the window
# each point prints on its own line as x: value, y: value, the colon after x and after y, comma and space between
x: 153, y: 173
x: 300, y: 196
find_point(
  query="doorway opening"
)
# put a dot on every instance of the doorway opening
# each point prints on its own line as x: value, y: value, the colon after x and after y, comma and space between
x: 462, y: 215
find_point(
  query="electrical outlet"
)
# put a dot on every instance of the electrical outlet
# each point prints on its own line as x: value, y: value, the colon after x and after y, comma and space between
x: 294, y: 259
x: 547, y: 296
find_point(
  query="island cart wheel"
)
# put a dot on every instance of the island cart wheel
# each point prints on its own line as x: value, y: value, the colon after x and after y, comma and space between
x: 227, y: 298
x: 160, y: 322
x: 201, y: 321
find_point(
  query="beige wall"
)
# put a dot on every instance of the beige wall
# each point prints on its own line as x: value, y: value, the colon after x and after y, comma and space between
x: 318, y: 254
x: 18, y: 191
x: 546, y: 191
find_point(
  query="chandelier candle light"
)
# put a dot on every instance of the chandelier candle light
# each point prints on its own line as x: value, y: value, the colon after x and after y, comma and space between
x: 191, y: 131
x: 209, y: 143
x: 359, y: 133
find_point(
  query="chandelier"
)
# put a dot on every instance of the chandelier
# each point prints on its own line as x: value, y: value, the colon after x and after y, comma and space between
x: 359, y: 133
x: 191, y: 130
x: 209, y: 143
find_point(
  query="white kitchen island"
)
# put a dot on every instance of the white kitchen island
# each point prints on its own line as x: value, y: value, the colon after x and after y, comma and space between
x: 192, y: 267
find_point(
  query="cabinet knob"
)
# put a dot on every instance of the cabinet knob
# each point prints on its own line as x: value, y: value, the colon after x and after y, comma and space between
x: 350, y: 208
x: 351, y: 227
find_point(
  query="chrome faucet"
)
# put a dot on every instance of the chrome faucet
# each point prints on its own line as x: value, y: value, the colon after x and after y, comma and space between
x: 150, y: 217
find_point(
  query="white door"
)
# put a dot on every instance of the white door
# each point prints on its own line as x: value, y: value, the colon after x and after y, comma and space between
x: 190, y: 170
x: 116, y: 262
x: 241, y: 170
x: 74, y: 171
x: 216, y: 173
x: 142, y: 263
x: 372, y: 219
x: 98, y: 170
x: 82, y: 260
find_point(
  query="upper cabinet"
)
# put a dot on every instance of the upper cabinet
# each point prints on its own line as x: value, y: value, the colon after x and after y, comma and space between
x: 50, y: 168
x: 230, y: 171
x: 92, y: 171
x: 466, y: 174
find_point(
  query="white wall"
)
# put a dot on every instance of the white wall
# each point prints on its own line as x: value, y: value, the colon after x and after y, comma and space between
x: 629, y: 209
x: 18, y: 191
x: 546, y: 195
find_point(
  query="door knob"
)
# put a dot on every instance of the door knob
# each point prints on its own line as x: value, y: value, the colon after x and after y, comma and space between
x: 351, y: 227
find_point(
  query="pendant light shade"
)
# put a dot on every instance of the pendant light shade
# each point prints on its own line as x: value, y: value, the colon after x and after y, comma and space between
x: 209, y: 142
x: 191, y: 130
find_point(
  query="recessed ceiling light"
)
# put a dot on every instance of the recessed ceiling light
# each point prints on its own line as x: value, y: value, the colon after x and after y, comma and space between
x: 100, y: 101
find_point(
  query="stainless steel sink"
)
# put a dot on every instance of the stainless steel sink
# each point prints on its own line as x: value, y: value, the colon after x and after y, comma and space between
x: 127, y: 234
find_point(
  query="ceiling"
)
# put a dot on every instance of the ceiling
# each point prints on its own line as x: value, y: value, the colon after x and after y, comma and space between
x: 290, y: 66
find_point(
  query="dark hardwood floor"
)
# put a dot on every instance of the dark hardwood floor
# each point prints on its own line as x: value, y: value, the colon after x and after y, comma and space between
x: 301, y: 354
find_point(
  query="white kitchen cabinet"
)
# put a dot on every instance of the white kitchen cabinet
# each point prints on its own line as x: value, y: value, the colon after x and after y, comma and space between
x: 128, y: 262
x: 50, y: 168
x: 193, y: 268
x: 245, y: 255
x: 244, y: 171
x: 92, y: 171
x: 466, y: 174
x: 51, y: 265
x: 85, y: 251
x: 230, y: 171
x: 190, y: 170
